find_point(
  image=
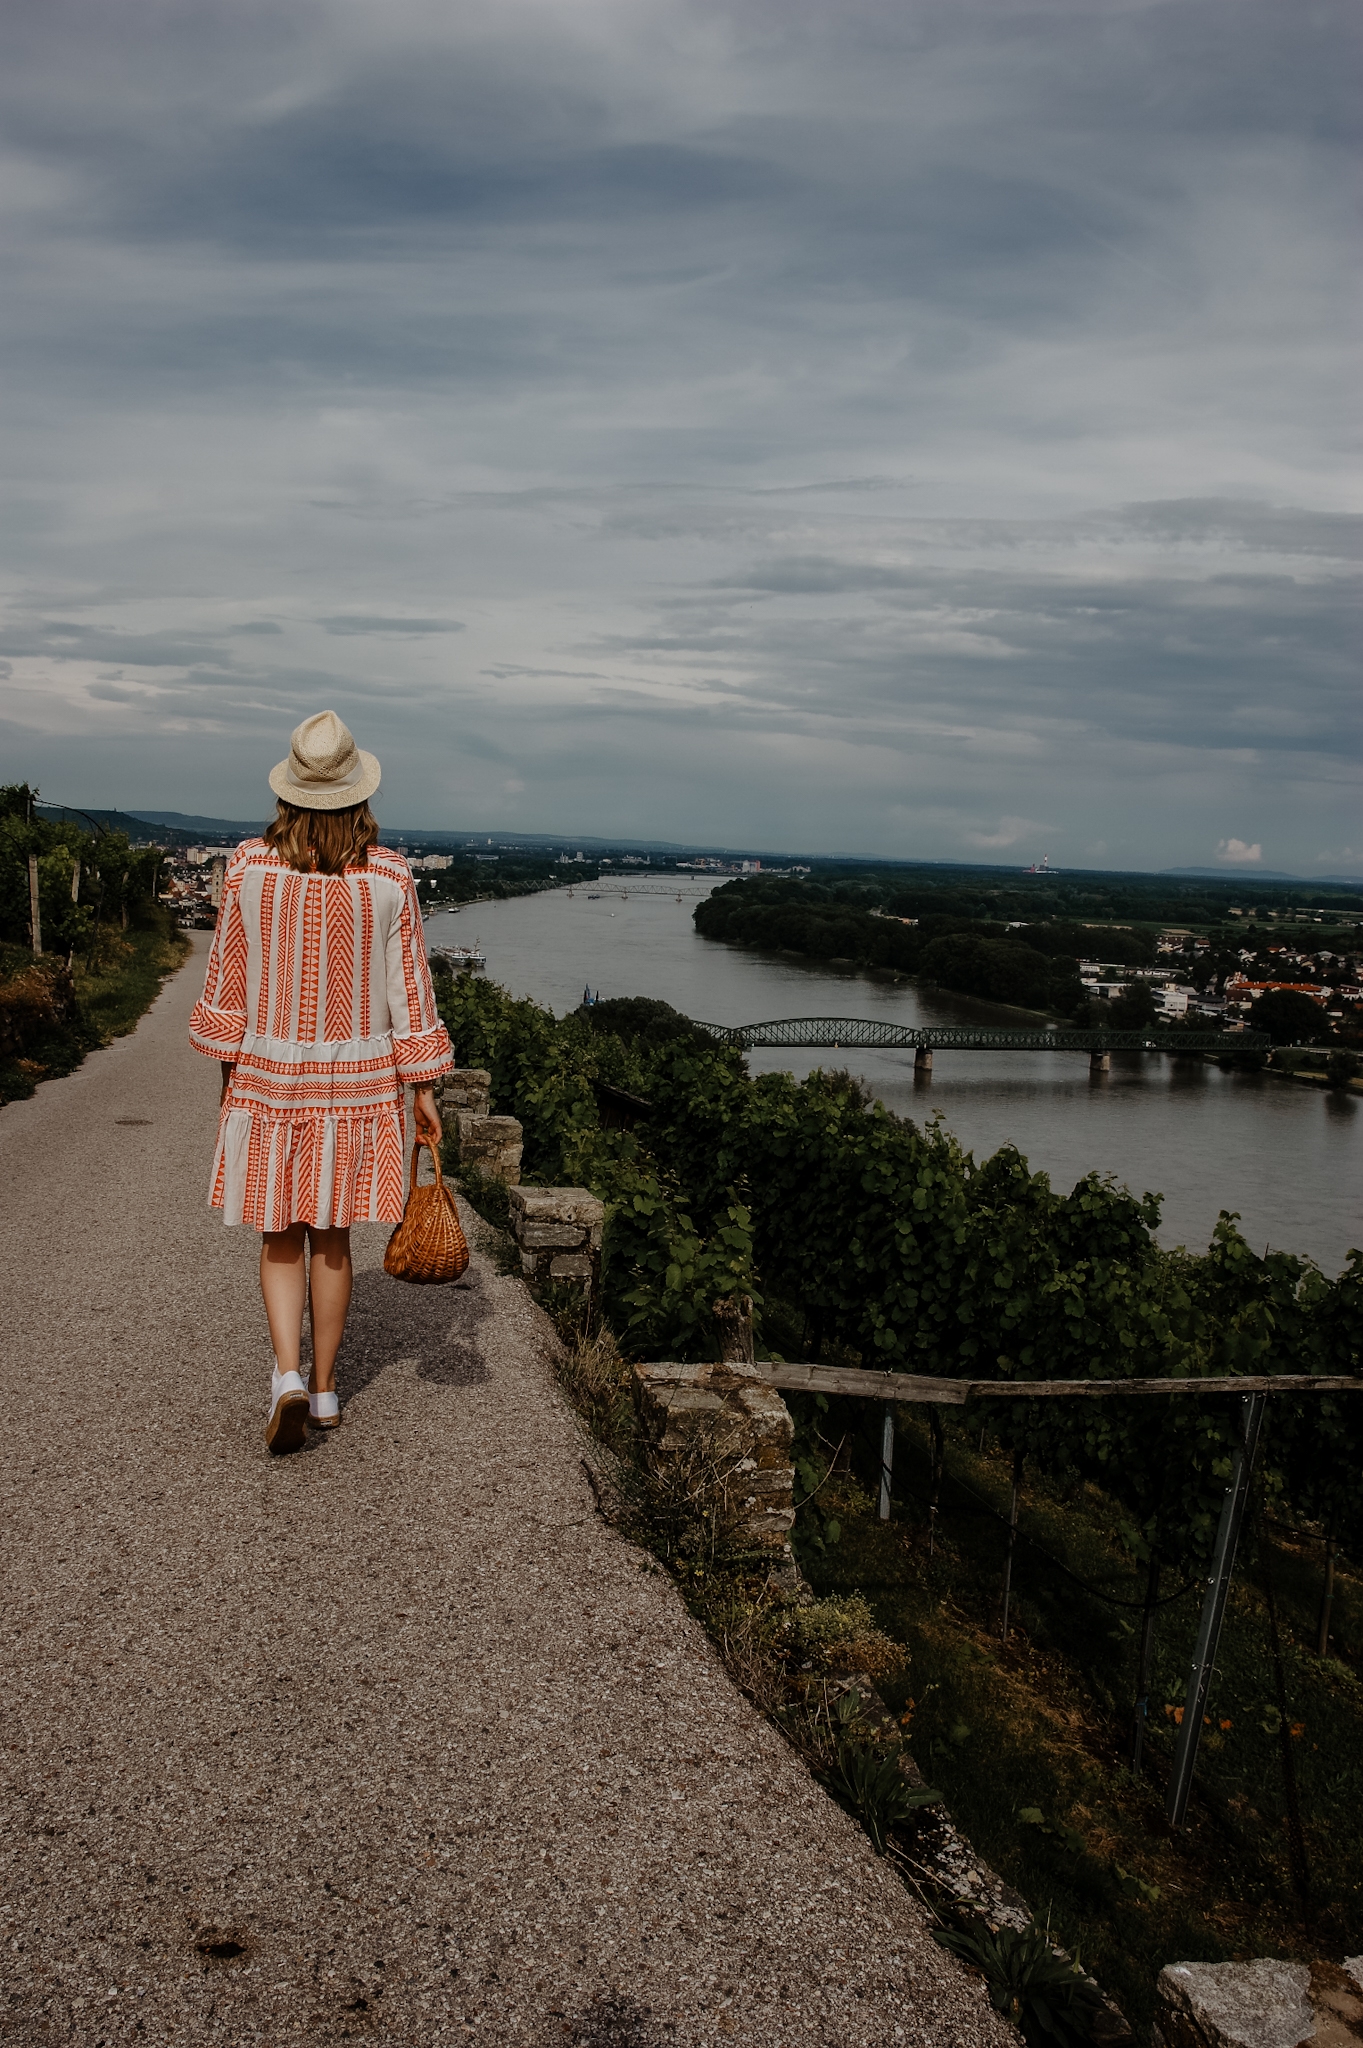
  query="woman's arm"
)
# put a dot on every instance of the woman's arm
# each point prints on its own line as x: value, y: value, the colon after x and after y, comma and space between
x: 217, y: 1023
x: 421, y: 1045
x: 426, y: 1116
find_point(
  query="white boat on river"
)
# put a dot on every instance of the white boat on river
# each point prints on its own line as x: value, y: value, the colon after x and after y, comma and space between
x: 457, y: 959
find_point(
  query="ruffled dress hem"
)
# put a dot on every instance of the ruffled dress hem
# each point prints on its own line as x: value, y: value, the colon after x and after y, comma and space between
x: 329, y: 1171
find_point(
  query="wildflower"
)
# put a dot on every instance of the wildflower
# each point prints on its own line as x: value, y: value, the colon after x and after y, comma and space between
x: 1225, y: 1726
x: 1297, y: 1729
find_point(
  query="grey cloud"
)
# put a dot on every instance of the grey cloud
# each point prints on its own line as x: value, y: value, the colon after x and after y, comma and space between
x: 1195, y: 659
x: 74, y: 641
x: 359, y: 623
x: 1218, y: 524
x: 442, y: 137
x: 1268, y: 529
x: 514, y: 672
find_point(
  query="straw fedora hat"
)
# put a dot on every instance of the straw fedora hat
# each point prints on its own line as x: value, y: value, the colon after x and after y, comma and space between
x: 325, y: 770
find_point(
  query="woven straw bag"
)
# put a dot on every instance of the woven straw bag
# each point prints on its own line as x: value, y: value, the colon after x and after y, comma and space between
x: 428, y: 1245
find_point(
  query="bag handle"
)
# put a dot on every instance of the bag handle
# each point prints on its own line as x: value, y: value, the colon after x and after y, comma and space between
x: 434, y: 1151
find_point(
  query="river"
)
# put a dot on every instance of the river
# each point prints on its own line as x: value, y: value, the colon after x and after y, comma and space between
x: 1287, y: 1157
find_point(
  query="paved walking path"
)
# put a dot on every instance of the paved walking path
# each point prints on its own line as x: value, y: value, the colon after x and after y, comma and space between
x: 392, y: 1740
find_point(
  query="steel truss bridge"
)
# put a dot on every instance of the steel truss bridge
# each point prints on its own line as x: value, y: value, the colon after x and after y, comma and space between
x: 860, y: 1034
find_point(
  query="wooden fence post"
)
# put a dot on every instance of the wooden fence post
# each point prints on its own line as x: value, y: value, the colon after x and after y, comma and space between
x: 35, y: 915
x: 94, y: 934
x: 733, y: 1319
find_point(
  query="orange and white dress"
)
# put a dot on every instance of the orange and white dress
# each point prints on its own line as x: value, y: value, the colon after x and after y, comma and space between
x: 319, y: 993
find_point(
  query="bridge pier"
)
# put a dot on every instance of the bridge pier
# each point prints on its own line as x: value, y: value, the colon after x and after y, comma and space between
x: 1100, y: 1062
x: 922, y: 1059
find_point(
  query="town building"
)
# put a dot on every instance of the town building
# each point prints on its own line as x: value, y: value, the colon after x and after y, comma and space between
x: 1240, y: 990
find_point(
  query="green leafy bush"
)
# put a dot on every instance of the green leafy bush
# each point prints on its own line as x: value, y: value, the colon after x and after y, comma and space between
x: 865, y: 1778
x: 1051, y: 2002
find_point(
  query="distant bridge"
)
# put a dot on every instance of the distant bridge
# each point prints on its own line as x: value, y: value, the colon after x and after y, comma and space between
x: 860, y: 1034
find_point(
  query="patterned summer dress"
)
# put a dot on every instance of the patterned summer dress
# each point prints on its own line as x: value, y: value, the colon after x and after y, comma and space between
x: 318, y: 991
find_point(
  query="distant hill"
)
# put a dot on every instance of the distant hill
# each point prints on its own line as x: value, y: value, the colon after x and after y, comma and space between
x: 138, y: 828
x: 1234, y: 878
x: 1245, y: 878
x: 192, y: 828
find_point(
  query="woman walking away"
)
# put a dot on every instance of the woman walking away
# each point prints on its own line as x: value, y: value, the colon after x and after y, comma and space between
x: 319, y: 1004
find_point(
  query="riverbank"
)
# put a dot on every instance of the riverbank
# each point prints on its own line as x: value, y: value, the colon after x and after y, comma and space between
x: 1295, y: 1063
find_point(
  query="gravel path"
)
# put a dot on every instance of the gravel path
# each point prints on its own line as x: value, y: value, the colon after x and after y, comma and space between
x: 392, y: 1740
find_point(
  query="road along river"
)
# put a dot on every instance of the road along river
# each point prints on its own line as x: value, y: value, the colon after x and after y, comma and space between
x: 1288, y: 1158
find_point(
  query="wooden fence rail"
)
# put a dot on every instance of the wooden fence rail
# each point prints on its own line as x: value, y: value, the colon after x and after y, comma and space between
x: 914, y: 1386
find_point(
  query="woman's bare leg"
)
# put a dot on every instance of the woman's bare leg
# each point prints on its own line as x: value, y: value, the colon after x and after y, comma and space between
x: 283, y: 1287
x: 330, y: 1278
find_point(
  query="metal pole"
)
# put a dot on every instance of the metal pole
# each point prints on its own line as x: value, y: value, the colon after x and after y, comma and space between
x: 1012, y: 1543
x: 939, y: 1459
x: 1214, y: 1608
x: 886, y: 1461
x: 1141, y: 1711
x: 1323, y: 1628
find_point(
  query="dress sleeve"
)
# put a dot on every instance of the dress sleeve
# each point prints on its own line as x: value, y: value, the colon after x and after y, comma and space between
x: 217, y: 1023
x: 421, y: 1044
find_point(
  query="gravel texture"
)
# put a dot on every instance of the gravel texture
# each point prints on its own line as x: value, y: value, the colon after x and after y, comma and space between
x: 392, y: 1740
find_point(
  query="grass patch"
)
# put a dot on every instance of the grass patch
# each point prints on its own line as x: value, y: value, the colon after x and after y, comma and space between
x: 51, y: 1017
x: 128, y: 971
x: 1030, y: 1743
x: 595, y: 1377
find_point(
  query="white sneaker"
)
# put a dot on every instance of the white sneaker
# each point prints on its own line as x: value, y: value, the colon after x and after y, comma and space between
x: 288, y: 1412
x: 324, y: 1411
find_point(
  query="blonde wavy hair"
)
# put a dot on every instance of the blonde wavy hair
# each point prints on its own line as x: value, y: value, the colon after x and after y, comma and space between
x: 322, y: 842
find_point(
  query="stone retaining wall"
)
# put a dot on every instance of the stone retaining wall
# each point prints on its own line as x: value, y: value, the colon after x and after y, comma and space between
x: 730, y: 1403
x: 558, y: 1233
x: 467, y: 1088
x: 492, y: 1145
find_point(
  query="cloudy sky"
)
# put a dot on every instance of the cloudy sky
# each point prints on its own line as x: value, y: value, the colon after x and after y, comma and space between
x: 910, y: 427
